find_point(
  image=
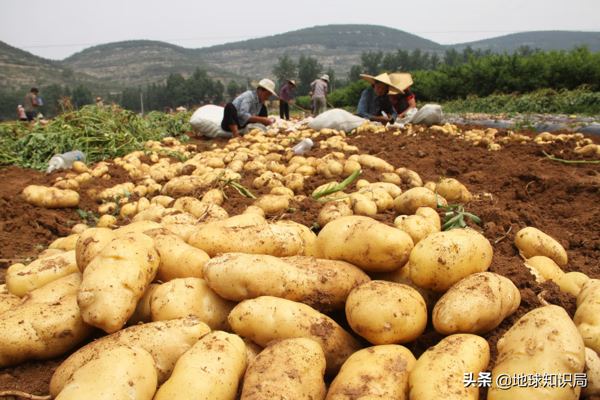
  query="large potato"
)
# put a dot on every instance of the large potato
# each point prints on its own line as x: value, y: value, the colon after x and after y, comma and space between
x: 89, y: 244
x: 546, y: 342
x: 364, y: 242
x: 178, y: 259
x: 190, y: 296
x: 65, y: 243
x: 587, y: 316
x: 267, y: 318
x: 386, y: 312
x: 571, y: 282
x: 308, y: 236
x: 322, y: 284
x: 410, y: 201
x: 376, y: 371
x: 333, y: 210
x: 440, y: 372
x: 416, y: 226
x: 476, y: 304
x: 533, y: 242
x: 142, y: 311
x: 7, y: 299
x: 116, y: 279
x: 273, y: 204
x: 49, y: 197
x: 453, y: 191
x: 275, y: 240
x: 443, y: 258
x: 592, y: 372
x: 166, y: 341
x: 545, y: 266
x: 21, y: 279
x: 211, y: 369
x: 118, y: 373
x: 46, y: 324
x: 291, y: 369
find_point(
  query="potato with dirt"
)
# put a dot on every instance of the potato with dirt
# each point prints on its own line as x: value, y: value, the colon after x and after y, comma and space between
x: 166, y: 341
x: 268, y: 318
x: 587, y: 318
x: 364, y: 242
x: 476, y: 304
x: 90, y: 243
x: 7, y: 299
x: 410, y: 201
x: 442, y: 259
x: 50, y: 197
x: 294, y: 367
x: 178, y: 259
x: 190, y: 296
x: 321, y: 284
x: 116, y: 279
x: 211, y: 369
x: 374, y: 371
x: 117, y: 373
x: 532, y: 242
x: 46, y: 324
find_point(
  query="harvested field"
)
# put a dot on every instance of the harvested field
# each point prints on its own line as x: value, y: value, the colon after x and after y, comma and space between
x: 514, y: 187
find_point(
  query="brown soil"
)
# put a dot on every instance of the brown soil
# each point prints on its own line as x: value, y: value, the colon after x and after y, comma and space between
x: 527, y: 189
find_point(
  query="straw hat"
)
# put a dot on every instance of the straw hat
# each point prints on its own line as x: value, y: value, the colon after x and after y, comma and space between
x: 325, y: 77
x: 383, y: 78
x: 401, y: 81
x: 98, y: 98
x: 291, y: 82
x: 267, y: 84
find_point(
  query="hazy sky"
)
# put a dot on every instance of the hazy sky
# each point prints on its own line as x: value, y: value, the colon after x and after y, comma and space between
x: 55, y: 29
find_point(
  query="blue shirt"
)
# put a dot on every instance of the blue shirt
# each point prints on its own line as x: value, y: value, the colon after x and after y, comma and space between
x: 247, y: 105
x: 371, y: 105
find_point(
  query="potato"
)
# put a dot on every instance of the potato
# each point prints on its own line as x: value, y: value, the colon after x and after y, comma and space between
x: 44, y: 325
x: 533, y: 242
x: 49, y: 253
x: 431, y: 215
x: 416, y: 226
x: 308, y: 236
x: 162, y: 200
x: 173, y: 216
x: 178, y: 259
x: 273, y: 204
x: 136, y: 227
x: 83, y: 178
x: 333, y: 210
x: 118, y: 373
x: 292, y: 368
x: 254, y: 210
x: 351, y: 167
x: 443, y: 258
x: 375, y: 162
x: 439, y: 373
x: 182, y: 230
x: 545, y: 266
x: 275, y: 240
x: 268, y: 318
x: 21, y: 279
x: 190, y: 296
x: 213, y: 196
x: 389, y: 177
x: 544, y: 341
x: 393, y: 190
x: 381, y: 198
x: 476, y: 304
x: 116, y: 279
x: 7, y: 299
x: 592, y: 371
x: 294, y: 182
x: 571, y: 282
x: 211, y: 369
x: 166, y: 341
x: 79, y: 167
x: 200, y: 209
x: 453, y: 191
x: 374, y: 371
x: 364, y: 242
x: 322, y: 284
x: 106, y: 221
x: 142, y: 311
x: 587, y: 316
x: 66, y: 244
x: 409, y: 177
x: 362, y: 205
x: 410, y: 201
x: 47, y: 197
x: 90, y: 243
x: 384, y: 312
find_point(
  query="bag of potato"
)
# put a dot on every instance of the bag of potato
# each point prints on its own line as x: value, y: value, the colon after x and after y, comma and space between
x: 207, y: 121
x: 337, y: 119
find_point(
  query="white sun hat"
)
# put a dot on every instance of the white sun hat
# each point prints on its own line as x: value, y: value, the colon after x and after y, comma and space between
x: 267, y: 84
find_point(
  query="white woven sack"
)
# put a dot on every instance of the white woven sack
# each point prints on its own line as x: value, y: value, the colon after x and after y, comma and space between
x: 207, y: 121
x: 337, y: 119
x: 429, y: 114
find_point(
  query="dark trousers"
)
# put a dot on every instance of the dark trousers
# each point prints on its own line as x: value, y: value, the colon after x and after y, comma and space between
x: 230, y: 116
x: 31, y: 115
x: 284, y: 109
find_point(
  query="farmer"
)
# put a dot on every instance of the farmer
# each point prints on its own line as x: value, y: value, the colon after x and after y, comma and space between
x: 248, y: 107
x: 319, y: 88
x: 21, y: 111
x: 99, y: 102
x: 31, y: 103
x: 404, y: 99
x: 375, y: 104
x: 285, y: 95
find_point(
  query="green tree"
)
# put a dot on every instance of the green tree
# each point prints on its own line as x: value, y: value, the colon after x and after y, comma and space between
x: 130, y: 99
x: 309, y: 69
x: 354, y: 74
x: 52, y: 93
x: 371, y: 62
x: 218, y: 90
x: 285, y: 69
x: 331, y: 85
x: 451, y: 57
x: 176, y: 90
x: 233, y: 88
x: 81, y: 96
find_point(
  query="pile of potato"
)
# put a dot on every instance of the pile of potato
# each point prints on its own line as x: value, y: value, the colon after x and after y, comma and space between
x: 200, y: 304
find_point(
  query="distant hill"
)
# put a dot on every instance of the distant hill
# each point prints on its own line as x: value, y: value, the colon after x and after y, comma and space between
x: 110, y: 67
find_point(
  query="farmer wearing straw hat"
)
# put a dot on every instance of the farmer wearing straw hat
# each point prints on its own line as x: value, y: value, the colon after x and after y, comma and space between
x: 99, y: 102
x: 375, y: 104
x: 248, y: 107
x: 285, y: 95
x: 404, y: 99
x: 319, y: 88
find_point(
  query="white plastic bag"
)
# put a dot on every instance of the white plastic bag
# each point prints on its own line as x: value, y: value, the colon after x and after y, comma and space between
x: 207, y: 121
x: 337, y: 119
x: 429, y: 114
